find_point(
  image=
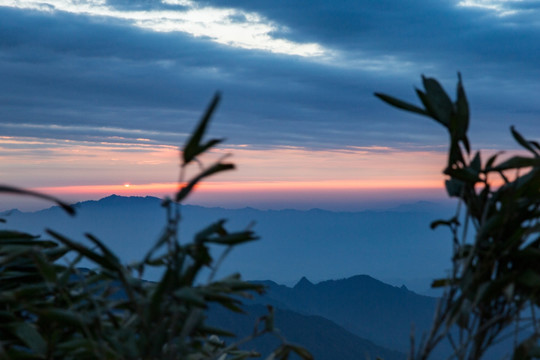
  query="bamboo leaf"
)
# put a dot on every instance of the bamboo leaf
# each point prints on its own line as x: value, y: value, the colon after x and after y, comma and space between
x: 10, y: 189
x: 193, y: 146
x: 62, y: 316
x: 491, y: 161
x: 47, y: 269
x: 109, y: 255
x: 437, y: 223
x: 215, y: 228
x: 529, y: 278
x: 234, y: 238
x: 467, y: 175
x: 476, y: 163
x: 401, y: 104
x: 462, y: 112
x: 31, y: 337
x: 440, y: 283
x: 218, y: 167
x: 517, y: 162
x: 190, y: 295
x: 521, y: 140
x: 302, y: 352
x: 83, y: 250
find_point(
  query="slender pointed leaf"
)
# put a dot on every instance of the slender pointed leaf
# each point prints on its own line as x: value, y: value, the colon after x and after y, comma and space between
x: 517, y: 162
x: 521, y: 140
x: 218, y: 167
x: 401, y: 104
x: 31, y: 337
x: 476, y: 163
x: 10, y: 189
x: 462, y: 111
x: 193, y: 146
x: 83, y: 250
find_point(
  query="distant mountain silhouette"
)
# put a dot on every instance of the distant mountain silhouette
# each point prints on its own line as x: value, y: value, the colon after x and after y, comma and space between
x: 361, y: 304
x: 320, y: 244
x: 356, y: 312
x: 322, y: 337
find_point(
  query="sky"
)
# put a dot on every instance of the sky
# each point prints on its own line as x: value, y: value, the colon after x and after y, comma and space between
x: 97, y: 96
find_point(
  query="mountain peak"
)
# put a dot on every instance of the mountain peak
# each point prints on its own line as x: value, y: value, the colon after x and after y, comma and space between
x: 10, y: 212
x: 113, y: 197
x: 303, y: 283
x: 119, y: 198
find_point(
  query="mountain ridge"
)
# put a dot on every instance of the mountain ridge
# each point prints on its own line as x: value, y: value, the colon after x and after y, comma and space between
x: 318, y: 244
x: 420, y: 206
x: 361, y: 304
x: 325, y: 339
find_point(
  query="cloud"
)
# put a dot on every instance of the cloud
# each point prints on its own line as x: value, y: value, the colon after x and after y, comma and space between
x: 233, y: 27
x: 104, y: 69
x: 504, y: 8
x: 62, y: 164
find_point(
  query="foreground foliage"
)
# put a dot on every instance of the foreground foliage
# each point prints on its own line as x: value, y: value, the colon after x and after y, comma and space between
x: 52, y: 309
x: 494, y: 286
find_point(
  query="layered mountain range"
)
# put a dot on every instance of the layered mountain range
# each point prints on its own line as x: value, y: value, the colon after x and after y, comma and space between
x: 396, y: 245
x: 356, y: 317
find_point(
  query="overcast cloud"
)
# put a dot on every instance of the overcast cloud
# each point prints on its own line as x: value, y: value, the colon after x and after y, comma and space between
x: 298, y: 73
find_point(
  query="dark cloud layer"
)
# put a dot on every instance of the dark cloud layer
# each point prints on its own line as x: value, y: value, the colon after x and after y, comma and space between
x: 65, y: 69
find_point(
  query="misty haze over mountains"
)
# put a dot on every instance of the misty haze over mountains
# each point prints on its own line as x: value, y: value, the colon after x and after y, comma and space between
x: 396, y: 245
x: 351, y: 316
x: 360, y: 304
x: 354, y: 318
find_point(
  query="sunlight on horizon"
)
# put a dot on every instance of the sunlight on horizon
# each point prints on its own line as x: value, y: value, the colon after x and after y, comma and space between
x: 303, y: 195
x: 124, y: 160
x: 292, y: 175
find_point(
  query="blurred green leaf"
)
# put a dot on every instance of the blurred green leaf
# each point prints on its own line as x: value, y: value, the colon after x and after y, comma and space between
x: 218, y: 167
x: 401, y: 104
x: 234, y: 238
x: 31, y: 337
x: 454, y: 187
x: 450, y: 222
x: 466, y: 175
x: 462, y: 113
x: 62, y: 316
x: 193, y: 147
x: 429, y: 107
x: 476, y: 163
x: 491, y: 161
x: 303, y: 353
x: 517, y: 162
x: 83, y: 250
x: 13, y: 190
x: 529, y: 278
x: 214, y: 228
x: 108, y: 254
x: 190, y: 295
x: 439, y: 102
x: 521, y: 140
x: 46, y: 268
x: 440, y: 283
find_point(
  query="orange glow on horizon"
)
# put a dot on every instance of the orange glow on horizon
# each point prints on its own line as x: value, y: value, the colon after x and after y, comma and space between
x: 253, y: 186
